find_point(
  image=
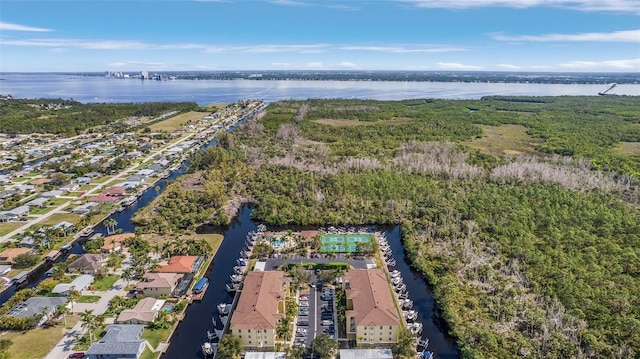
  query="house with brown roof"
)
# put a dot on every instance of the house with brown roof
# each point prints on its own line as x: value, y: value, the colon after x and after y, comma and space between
x: 40, y: 181
x: 114, y: 242
x: 181, y: 264
x: 260, y: 307
x: 8, y: 255
x: 159, y: 284
x: 145, y: 312
x: 372, y: 316
x: 88, y: 263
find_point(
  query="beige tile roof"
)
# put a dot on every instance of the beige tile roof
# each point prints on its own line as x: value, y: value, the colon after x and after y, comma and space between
x: 144, y: 311
x: 258, y: 304
x: 159, y: 280
x: 179, y: 264
x: 372, y: 301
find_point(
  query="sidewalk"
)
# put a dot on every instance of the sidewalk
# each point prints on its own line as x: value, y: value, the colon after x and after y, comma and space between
x: 65, y: 345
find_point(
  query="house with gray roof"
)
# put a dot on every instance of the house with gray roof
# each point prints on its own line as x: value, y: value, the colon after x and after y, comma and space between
x: 120, y: 341
x: 79, y: 283
x: 38, y: 202
x: 44, y: 306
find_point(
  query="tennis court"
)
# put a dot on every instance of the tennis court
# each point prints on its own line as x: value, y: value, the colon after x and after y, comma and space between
x: 343, y: 243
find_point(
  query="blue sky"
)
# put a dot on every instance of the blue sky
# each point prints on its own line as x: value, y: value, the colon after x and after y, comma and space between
x: 431, y: 35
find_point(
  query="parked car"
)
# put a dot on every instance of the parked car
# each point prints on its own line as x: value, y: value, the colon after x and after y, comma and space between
x: 77, y: 355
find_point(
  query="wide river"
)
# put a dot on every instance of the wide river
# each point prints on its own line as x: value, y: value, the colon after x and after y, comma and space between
x: 101, y: 89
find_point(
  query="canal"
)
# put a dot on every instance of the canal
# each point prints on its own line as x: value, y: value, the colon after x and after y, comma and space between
x: 192, y: 331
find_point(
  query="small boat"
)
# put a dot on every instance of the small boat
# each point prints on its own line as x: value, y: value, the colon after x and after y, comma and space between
x: 396, y: 273
x: 241, y: 262
x: 232, y: 287
x: 239, y: 269
x: 224, y: 308
x: 236, y: 278
x: 396, y: 281
x: 211, y: 335
x: 426, y: 355
x: 410, y: 315
x: 201, y: 286
x: 415, y: 328
x: 403, y: 295
x: 391, y: 262
x: 207, y: 350
x: 400, y: 287
x: 407, y: 304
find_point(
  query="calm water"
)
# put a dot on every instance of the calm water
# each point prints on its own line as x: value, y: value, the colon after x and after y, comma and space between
x: 101, y: 89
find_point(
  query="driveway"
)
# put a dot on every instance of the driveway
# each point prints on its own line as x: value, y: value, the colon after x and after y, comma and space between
x: 65, y: 345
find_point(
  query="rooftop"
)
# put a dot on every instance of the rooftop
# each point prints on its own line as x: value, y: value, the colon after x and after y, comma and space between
x: 258, y: 304
x: 179, y: 264
x: 120, y: 339
x: 372, y: 302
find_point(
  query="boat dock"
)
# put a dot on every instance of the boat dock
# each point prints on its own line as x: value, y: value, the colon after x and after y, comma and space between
x: 607, y: 89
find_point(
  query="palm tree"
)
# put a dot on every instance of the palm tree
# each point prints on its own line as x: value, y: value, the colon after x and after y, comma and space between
x: 282, y: 330
x: 64, y: 310
x: 127, y: 275
x: 73, y: 296
x: 295, y: 352
x: 110, y: 224
x: 88, y: 322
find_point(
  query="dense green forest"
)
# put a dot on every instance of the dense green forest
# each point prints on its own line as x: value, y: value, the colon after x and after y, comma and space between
x: 532, y: 252
x: 68, y: 117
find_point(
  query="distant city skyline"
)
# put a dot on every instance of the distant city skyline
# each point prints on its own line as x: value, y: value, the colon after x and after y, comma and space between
x: 407, y: 35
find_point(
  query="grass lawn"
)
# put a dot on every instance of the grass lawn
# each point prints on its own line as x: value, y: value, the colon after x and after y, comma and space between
x: 104, y: 283
x: 35, y: 343
x: 213, y: 239
x: 40, y: 210
x: 505, y: 139
x: 88, y: 298
x: 101, y: 179
x: 7, y: 227
x: 147, y: 354
x: 155, y: 336
x: 55, y: 202
x: 86, y: 187
x: 59, y: 217
x: 173, y: 123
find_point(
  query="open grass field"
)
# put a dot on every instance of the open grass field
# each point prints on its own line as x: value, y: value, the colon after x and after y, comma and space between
x: 59, y: 217
x: 39, y: 210
x: 104, y: 283
x: 7, y: 227
x: 505, y: 139
x: 628, y: 149
x: 213, y: 239
x: 173, y: 123
x: 36, y: 343
x: 353, y: 123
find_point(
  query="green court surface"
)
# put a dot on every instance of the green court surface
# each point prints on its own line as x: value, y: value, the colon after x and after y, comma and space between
x: 343, y: 242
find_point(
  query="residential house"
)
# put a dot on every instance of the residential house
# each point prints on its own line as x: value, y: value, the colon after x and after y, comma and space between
x: 4, y: 269
x: 88, y: 263
x: 114, y: 242
x: 181, y: 264
x: 372, y: 316
x: 159, y: 284
x: 38, y: 202
x: 64, y: 227
x: 145, y: 312
x: 79, y: 283
x: 260, y: 307
x: 84, y: 208
x: 20, y: 211
x: 83, y: 180
x: 120, y: 341
x: 144, y: 173
x: 30, y: 242
x: 51, y: 194
x: 44, y: 306
x: 69, y: 187
x: 8, y: 255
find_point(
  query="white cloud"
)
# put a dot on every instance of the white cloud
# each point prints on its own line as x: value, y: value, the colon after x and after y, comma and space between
x: 82, y: 44
x: 261, y: 49
x: 629, y: 64
x: 509, y: 66
x: 457, y: 66
x: 616, y: 36
x: 6, y: 26
x: 343, y: 7
x: 404, y: 49
x: 348, y: 64
x: 143, y: 64
x: 314, y: 65
x: 289, y: 3
x: 281, y: 64
x: 580, y: 5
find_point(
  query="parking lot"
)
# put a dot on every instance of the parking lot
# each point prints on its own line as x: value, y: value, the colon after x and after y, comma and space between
x: 316, y: 314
